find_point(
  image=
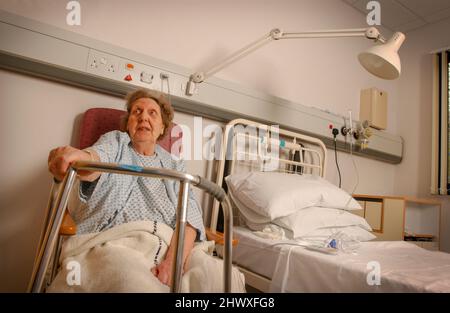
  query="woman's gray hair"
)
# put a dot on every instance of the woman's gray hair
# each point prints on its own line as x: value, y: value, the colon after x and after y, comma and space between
x: 158, y: 97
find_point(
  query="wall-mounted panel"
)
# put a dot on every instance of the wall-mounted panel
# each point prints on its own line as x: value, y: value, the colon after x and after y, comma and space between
x: 43, y: 50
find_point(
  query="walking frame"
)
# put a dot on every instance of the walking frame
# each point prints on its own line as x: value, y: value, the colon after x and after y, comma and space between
x: 58, y: 208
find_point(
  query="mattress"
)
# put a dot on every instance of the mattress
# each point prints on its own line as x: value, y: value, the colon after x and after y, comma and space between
x: 377, y: 266
x: 252, y: 249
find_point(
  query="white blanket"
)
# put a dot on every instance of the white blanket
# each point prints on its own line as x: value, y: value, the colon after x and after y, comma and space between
x: 402, y: 266
x: 377, y: 266
x: 120, y: 259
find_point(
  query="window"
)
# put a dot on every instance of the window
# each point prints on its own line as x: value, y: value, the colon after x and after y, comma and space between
x: 440, y: 172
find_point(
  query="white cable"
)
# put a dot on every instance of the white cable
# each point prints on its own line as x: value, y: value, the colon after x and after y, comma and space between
x: 354, y: 165
x: 353, y: 160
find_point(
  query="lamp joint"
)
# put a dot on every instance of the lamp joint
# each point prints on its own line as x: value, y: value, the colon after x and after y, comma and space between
x: 197, y: 77
x: 276, y: 33
x: 373, y: 33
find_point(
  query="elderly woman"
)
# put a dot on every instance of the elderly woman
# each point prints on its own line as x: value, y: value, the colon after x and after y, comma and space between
x: 113, y: 199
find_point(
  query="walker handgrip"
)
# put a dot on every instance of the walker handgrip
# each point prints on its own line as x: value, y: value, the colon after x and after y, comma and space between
x: 212, y: 188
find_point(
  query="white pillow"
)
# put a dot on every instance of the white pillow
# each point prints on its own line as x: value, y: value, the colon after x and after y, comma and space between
x: 304, y: 222
x: 252, y: 219
x: 273, y: 194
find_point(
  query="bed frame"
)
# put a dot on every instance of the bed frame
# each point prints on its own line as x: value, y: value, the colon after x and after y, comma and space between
x: 251, y: 146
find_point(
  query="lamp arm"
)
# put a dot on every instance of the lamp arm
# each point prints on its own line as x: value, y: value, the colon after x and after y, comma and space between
x: 199, y: 77
x: 369, y: 33
x: 277, y: 34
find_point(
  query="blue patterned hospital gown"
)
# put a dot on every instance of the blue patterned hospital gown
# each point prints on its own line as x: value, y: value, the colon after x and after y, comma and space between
x: 115, y: 199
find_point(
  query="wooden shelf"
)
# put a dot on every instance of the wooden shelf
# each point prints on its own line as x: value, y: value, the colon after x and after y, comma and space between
x: 422, y: 201
x: 427, y: 236
x: 377, y: 197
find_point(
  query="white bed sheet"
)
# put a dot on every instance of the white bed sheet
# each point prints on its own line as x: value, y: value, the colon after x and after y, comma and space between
x: 404, y: 267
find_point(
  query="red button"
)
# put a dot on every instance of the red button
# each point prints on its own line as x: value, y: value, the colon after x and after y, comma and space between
x: 128, y: 78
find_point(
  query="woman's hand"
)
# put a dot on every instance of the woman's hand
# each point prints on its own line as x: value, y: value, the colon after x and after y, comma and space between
x: 61, y: 158
x: 163, y: 271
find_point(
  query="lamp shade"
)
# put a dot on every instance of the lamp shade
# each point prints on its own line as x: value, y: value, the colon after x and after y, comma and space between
x: 383, y: 60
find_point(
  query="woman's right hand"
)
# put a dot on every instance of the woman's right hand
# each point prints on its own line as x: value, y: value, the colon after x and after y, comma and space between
x: 61, y: 158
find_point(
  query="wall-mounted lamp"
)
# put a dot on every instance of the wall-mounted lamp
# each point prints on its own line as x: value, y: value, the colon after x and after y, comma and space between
x: 381, y: 60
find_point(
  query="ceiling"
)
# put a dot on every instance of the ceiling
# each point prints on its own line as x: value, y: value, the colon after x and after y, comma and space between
x: 407, y: 15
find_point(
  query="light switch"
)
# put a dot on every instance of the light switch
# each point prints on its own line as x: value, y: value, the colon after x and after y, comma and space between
x: 146, y: 77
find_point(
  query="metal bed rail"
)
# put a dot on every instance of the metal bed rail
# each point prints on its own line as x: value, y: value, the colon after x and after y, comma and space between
x: 59, y: 206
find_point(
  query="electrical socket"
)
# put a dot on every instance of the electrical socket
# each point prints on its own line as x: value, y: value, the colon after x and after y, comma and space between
x: 102, y: 63
x: 110, y: 68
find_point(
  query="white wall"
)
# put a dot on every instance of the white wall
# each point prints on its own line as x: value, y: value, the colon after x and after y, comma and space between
x: 37, y: 115
x: 413, y: 175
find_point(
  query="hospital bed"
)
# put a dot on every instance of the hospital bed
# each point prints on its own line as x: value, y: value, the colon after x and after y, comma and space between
x: 286, y: 265
x: 95, y: 123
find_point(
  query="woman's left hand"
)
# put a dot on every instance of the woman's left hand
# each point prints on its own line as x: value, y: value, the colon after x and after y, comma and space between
x: 163, y: 271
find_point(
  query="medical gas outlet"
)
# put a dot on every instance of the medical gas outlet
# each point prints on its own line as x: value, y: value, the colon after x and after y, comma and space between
x: 362, y: 134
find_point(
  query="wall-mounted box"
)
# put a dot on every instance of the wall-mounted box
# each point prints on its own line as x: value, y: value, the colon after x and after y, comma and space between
x: 373, y: 107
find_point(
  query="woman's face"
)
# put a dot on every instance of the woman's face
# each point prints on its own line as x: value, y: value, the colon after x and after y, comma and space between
x: 145, y: 122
